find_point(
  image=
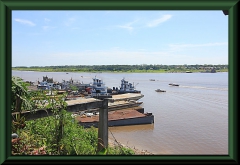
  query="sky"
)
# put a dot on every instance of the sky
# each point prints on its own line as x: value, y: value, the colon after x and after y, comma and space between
x: 108, y: 37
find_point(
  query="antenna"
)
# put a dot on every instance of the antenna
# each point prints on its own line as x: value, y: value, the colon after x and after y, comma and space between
x: 136, y: 84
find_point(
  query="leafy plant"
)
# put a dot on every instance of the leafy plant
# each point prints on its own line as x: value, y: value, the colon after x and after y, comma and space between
x: 20, y: 95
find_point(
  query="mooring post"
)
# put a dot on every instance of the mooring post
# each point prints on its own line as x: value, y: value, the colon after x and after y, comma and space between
x: 103, y: 126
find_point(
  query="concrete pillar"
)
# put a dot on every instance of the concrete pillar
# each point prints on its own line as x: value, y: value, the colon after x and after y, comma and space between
x: 103, y: 126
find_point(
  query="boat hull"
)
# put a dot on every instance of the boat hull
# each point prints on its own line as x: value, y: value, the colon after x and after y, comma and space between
x: 122, y: 122
x: 123, y: 92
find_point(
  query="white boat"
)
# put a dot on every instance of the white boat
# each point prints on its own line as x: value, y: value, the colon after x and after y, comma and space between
x: 47, y: 84
x: 173, y: 84
x: 98, y: 89
x: 127, y: 87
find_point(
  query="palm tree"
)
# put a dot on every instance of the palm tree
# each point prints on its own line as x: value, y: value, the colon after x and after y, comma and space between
x: 20, y: 95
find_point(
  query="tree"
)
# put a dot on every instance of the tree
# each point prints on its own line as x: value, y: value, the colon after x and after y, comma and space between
x: 20, y: 95
x: 20, y: 100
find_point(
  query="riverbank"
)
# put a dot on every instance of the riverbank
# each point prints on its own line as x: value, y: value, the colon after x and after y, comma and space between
x: 112, y: 143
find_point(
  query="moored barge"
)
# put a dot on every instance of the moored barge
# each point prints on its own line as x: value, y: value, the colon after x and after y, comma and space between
x: 117, y: 118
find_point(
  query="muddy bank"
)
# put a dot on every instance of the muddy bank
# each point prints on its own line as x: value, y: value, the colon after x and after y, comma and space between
x: 112, y: 143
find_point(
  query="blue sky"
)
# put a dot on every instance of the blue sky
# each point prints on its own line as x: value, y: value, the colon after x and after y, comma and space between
x: 48, y: 38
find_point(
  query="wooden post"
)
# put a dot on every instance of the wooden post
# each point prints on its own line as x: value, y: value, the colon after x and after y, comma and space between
x: 103, y: 126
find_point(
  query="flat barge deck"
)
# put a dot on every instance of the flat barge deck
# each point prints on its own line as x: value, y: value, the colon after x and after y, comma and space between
x: 117, y: 118
x: 126, y: 96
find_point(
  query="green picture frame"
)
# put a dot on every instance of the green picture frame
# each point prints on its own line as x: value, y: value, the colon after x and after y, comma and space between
x: 6, y: 7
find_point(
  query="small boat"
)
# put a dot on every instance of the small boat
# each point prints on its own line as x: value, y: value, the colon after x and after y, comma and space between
x: 152, y: 79
x: 159, y: 90
x: 172, y: 84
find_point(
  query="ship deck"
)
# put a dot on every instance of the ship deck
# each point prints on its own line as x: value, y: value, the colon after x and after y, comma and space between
x: 126, y: 96
x: 81, y: 101
x: 112, y: 115
x: 120, y: 97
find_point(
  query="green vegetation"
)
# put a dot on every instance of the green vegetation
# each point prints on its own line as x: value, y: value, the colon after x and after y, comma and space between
x: 41, y: 136
x: 126, y: 68
x: 20, y: 96
x: 58, y: 134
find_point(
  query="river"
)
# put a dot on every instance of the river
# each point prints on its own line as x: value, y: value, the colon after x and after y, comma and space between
x: 189, y: 119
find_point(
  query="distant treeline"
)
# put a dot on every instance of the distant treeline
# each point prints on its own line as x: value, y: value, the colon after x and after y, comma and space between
x: 125, y: 68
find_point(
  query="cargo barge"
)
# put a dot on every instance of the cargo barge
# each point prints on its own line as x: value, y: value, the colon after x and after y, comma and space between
x: 117, y: 118
x: 123, y: 104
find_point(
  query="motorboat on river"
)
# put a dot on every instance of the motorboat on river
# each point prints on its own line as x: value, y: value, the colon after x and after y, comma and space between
x: 173, y: 84
x: 159, y: 90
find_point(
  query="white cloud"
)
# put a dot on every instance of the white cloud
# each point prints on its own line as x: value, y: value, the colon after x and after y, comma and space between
x: 70, y: 21
x: 26, y: 22
x: 139, y: 23
x: 47, y: 20
x: 156, y: 22
x: 48, y: 27
x: 128, y: 26
x: 116, y: 55
x: 108, y: 57
x: 75, y: 28
x: 181, y: 46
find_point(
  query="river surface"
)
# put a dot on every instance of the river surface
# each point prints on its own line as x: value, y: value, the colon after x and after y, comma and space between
x: 189, y: 119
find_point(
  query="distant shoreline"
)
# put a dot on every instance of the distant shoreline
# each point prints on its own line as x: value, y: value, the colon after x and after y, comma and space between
x: 143, y: 68
x: 147, y: 71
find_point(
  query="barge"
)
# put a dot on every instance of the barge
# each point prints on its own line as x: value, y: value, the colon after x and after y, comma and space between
x: 126, y: 96
x: 116, y: 118
x: 123, y: 104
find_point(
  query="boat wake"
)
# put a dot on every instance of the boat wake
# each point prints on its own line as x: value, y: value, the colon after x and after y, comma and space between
x: 207, y: 88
